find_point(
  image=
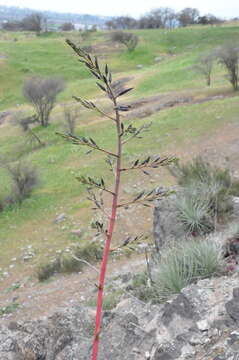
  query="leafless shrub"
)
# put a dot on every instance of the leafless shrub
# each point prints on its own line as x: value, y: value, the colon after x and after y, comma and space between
x: 205, y: 66
x: 128, y: 39
x: 23, y: 120
x: 71, y: 114
x: 24, y: 179
x: 41, y: 93
x: 228, y: 56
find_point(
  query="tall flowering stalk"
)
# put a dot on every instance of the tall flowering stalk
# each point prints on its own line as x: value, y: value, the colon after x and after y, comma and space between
x: 114, y: 161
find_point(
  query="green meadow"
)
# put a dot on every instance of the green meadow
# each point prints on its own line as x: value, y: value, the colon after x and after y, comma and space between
x: 173, y: 130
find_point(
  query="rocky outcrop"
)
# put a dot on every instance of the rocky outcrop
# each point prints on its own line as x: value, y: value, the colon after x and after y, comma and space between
x: 166, y: 225
x: 200, y: 323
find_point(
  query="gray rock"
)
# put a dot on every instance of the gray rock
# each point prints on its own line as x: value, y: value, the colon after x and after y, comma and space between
x: 203, y: 325
x: 136, y: 331
x: 232, y: 306
x: 158, y: 59
x: 60, y: 218
x: 166, y: 226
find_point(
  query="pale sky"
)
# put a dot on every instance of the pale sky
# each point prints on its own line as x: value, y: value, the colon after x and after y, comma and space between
x: 221, y: 8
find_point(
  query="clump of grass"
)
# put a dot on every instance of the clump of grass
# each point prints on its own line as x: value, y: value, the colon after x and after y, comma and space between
x: 186, y: 263
x: 194, y: 212
x: 206, y: 195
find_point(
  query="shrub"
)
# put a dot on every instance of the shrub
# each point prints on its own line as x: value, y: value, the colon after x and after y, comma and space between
x: 183, y: 264
x: 90, y: 252
x: 228, y: 56
x: 41, y: 93
x: 24, y: 121
x: 70, y: 116
x: 205, y: 66
x: 24, y: 180
x: 128, y: 39
x: 46, y: 270
x: 68, y: 264
x: 199, y: 170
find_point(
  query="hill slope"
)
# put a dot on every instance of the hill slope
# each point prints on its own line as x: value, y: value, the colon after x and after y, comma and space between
x: 187, y: 119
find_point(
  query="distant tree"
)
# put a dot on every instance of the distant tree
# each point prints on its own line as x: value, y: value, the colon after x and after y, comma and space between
x: 12, y: 26
x: 163, y: 17
x: 209, y: 19
x: 67, y: 26
x: 228, y: 56
x: 122, y: 23
x: 33, y: 22
x: 128, y: 39
x: 205, y: 66
x: 188, y: 16
x: 41, y: 93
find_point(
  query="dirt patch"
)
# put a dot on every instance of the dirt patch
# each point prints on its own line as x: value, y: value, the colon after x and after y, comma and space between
x: 147, y: 106
x: 4, y: 115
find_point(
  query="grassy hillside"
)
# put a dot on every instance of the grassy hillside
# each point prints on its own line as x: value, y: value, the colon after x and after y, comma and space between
x: 173, y: 130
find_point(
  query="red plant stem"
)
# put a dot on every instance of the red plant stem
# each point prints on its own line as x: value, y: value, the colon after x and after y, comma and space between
x: 106, y: 252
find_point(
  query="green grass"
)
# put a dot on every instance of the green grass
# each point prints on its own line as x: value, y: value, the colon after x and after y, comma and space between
x: 49, y: 55
x: 186, y: 263
x: 59, y: 162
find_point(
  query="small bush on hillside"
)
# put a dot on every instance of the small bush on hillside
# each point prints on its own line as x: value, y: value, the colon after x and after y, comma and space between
x: 70, y: 262
x: 41, y: 93
x: 46, y: 270
x: 90, y: 252
x: 199, y: 170
x: 24, y: 180
x: 71, y: 114
x: 23, y: 120
x: 205, y: 66
x: 128, y: 39
x: 228, y: 56
x: 186, y: 263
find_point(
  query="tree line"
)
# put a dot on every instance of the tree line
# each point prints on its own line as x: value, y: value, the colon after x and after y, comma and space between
x: 163, y: 17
